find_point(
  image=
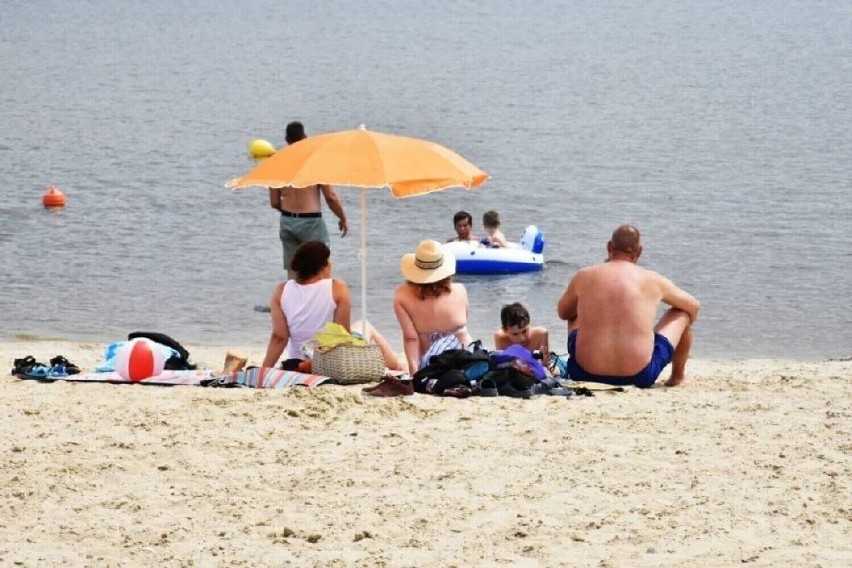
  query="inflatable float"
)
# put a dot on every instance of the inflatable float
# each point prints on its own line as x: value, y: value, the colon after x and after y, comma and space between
x: 473, y: 257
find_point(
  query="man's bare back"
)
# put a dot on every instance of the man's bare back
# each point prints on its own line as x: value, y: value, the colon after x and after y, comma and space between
x: 301, y: 218
x: 307, y: 200
x: 299, y: 199
x: 613, y: 306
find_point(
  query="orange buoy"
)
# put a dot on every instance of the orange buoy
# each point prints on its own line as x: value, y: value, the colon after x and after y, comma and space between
x: 53, y: 197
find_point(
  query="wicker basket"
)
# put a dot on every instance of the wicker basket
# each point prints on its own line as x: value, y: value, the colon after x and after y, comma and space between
x: 350, y: 364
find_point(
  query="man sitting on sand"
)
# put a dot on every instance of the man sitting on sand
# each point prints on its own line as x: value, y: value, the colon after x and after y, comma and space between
x: 610, y: 308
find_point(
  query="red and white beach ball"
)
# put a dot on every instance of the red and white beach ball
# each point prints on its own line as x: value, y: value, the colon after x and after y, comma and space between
x: 139, y: 359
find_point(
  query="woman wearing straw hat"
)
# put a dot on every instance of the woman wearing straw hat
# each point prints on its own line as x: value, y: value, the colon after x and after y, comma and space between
x: 431, y: 309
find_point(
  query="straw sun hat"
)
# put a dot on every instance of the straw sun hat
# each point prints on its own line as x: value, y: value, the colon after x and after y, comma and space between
x: 430, y: 263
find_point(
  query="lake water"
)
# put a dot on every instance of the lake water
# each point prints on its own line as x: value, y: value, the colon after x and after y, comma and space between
x: 721, y: 129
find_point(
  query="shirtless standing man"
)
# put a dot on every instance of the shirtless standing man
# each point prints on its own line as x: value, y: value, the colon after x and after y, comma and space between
x: 610, y: 308
x: 301, y: 219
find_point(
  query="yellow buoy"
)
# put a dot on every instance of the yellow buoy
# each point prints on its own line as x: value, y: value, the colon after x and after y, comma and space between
x: 259, y: 148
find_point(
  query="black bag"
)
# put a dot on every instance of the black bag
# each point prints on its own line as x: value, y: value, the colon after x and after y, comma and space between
x: 513, y: 377
x: 178, y: 362
x: 459, y: 359
x: 509, y: 378
x: 448, y: 369
x: 450, y: 379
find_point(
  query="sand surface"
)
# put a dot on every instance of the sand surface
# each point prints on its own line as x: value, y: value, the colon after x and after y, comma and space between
x: 748, y: 463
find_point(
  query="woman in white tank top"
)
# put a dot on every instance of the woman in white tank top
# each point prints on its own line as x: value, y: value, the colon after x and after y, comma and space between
x: 301, y: 307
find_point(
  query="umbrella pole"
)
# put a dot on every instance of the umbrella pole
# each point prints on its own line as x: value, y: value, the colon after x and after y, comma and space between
x: 362, y: 254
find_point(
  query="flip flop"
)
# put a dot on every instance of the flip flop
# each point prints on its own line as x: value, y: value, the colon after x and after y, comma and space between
x: 485, y: 387
x: 508, y: 390
x: 552, y: 387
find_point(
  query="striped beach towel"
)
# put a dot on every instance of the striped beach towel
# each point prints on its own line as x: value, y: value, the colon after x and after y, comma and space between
x: 270, y: 378
x: 256, y: 377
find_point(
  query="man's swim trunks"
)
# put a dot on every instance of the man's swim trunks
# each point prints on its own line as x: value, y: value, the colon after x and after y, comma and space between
x: 660, y: 357
x: 294, y: 231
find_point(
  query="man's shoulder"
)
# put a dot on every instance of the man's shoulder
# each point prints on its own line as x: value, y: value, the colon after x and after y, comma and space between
x: 651, y: 275
x: 588, y: 271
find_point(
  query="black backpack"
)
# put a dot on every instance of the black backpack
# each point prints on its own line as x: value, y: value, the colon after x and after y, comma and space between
x: 447, y: 370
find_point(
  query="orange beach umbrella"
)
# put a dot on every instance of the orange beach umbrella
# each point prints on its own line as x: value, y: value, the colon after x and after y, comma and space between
x: 364, y: 159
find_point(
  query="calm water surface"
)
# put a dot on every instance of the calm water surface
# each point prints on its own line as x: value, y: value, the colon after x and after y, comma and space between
x: 720, y: 128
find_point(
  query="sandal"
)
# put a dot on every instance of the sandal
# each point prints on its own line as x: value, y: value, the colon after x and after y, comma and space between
x: 29, y: 367
x: 68, y: 367
x: 23, y: 364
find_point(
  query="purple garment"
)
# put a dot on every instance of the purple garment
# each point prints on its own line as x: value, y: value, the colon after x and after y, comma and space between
x: 516, y: 351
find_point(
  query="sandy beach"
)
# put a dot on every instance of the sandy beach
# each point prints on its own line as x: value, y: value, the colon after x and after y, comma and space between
x: 748, y: 463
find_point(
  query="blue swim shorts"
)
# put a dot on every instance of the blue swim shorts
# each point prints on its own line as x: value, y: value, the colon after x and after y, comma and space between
x: 660, y: 357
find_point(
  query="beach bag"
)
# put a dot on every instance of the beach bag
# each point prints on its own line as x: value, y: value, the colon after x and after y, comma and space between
x: 516, y: 372
x: 558, y: 365
x: 452, y: 368
x: 349, y: 364
x: 447, y: 380
x: 474, y: 363
x: 513, y: 380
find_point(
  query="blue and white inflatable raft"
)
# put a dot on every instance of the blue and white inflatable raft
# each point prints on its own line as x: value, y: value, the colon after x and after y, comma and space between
x: 527, y: 255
